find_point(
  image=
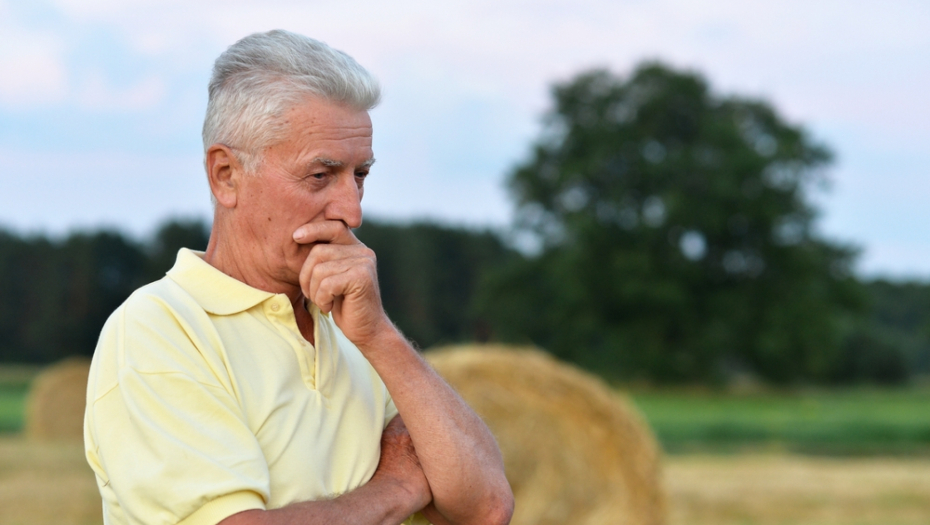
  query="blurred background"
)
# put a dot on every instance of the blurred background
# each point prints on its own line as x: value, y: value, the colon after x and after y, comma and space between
x: 715, y: 206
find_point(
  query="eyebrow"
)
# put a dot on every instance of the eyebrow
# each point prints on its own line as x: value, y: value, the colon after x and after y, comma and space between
x: 330, y: 163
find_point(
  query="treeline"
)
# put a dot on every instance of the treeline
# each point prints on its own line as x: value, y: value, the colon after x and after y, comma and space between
x: 668, y: 236
x: 55, y: 295
x: 447, y: 285
x: 439, y: 284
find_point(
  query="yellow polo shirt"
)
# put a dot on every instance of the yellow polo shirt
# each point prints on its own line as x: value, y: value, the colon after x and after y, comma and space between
x: 204, y: 400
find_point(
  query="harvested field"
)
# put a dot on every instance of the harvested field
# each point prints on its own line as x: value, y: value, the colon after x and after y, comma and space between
x: 797, y: 490
x: 45, y: 483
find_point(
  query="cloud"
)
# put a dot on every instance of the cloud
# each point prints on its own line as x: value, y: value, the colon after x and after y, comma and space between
x: 57, y: 192
x: 32, y: 66
x: 798, y: 53
x: 97, y: 93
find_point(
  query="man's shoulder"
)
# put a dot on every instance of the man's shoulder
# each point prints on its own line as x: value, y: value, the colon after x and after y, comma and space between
x: 154, y: 330
x: 165, y: 291
x: 157, y: 303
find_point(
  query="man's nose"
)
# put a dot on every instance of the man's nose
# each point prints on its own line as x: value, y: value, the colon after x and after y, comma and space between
x: 346, y: 202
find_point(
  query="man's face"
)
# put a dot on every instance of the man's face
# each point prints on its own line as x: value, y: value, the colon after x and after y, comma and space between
x: 316, y: 174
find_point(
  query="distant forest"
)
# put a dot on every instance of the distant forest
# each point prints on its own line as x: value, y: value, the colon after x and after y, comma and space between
x: 436, y: 283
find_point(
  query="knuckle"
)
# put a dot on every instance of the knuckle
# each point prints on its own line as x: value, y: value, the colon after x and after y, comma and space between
x: 319, y: 251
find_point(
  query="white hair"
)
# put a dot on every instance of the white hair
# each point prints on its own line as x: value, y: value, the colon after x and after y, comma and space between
x: 259, y: 78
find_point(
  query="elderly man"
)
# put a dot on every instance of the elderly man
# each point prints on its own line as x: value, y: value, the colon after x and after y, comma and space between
x: 261, y: 382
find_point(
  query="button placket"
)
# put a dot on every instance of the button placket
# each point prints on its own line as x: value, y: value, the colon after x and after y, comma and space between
x: 277, y: 310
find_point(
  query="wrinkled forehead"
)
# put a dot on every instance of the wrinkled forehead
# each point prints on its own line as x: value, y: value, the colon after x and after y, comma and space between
x: 324, y: 117
x: 324, y: 134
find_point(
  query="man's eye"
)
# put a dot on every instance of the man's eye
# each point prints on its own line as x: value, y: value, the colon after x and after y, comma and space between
x: 361, y: 174
x: 318, y: 176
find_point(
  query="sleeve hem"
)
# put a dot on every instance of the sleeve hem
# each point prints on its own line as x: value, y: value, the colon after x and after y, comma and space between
x: 217, y: 510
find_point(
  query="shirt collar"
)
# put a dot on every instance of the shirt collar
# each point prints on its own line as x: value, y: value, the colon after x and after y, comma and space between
x: 214, y: 291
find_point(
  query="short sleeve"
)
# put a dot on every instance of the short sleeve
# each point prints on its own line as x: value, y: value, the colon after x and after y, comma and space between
x: 416, y: 519
x: 389, y: 410
x: 174, y: 450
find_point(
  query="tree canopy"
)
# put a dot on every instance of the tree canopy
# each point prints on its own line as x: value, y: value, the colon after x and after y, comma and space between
x: 676, y: 235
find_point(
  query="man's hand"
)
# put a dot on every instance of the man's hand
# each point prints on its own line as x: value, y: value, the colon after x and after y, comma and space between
x: 399, y: 464
x: 340, y: 277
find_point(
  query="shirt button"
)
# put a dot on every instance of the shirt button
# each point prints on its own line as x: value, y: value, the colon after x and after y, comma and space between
x: 275, y: 307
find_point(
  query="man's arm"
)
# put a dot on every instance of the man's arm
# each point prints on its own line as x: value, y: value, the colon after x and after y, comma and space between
x: 456, y: 450
x: 397, y: 490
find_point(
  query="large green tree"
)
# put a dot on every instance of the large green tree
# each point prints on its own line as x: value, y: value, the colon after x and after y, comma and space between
x: 675, y: 236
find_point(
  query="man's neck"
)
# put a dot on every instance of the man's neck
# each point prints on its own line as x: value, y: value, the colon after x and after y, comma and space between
x: 238, y: 264
x: 243, y: 261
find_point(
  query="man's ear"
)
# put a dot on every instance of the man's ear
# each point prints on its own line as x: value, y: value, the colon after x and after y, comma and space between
x: 223, y: 174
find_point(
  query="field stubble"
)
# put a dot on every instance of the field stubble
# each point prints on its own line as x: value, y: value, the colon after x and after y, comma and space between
x: 49, y: 482
x: 45, y: 483
x: 781, y: 489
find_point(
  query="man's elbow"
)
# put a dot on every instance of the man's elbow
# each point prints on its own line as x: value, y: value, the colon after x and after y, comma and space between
x: 500, y: 507
x: 501, y: 514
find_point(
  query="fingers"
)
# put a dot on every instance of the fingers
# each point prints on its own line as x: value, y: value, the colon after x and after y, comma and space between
x: 340, y: 276
x: 333, y: 271
x: 396, y: 425
x: 399, y: 462
x: 331, y: 241
x: 396, y: 442
x: 332, y: 281
x: 326, y: 232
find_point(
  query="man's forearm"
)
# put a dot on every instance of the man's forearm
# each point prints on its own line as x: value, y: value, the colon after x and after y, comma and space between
x: 456, y: 450
x: 379, y: 502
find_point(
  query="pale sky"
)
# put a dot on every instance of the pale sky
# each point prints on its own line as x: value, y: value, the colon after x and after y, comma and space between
x: 101, y: 101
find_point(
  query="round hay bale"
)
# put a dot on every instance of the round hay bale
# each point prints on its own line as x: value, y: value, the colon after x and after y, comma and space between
x: 574, y: 450
x: 55, y: 404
